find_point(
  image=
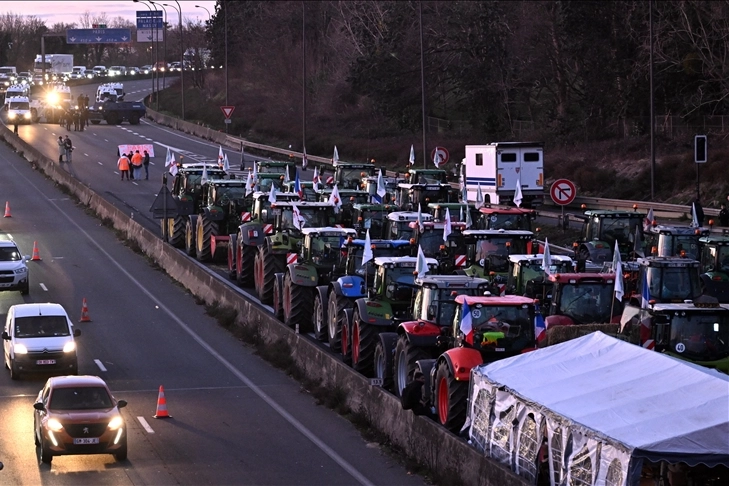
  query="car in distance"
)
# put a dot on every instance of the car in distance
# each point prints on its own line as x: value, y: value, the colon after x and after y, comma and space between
x: 39, y: 338
x: 78, y: 415
x: 117, y: 71
x: 146, y: 69
x: 133, y: 71
x: 14, y: 273
x: 99, y: 71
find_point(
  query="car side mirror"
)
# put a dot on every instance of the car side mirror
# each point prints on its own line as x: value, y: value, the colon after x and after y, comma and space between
x: 121, y: 403
x: 39, y: 406
x: 76, y: 332
x: 6, y: 336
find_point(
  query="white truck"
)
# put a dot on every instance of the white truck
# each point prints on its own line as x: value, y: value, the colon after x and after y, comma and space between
x: 19, y: 110
x: 497, y: 167
x: 55, y: 64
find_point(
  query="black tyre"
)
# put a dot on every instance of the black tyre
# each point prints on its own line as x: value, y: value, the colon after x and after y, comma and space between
x: 206, y: 231
x: 269, y: 266
x: 245, y: 259
x: 336, y: 316
x: 383, y: 358
x: 46, y: 456
x: 112, y: 119
x: 345, y: 331
x: 134, y: 120
x: 14, y: 371
x: 189, y: 238
x: 364, y: 340
x: 450, y: 399
x: 35, y: 437
x: 405, y: 360
x: 583, y: 253
x: 121, y: 453
x: 25, y: 289
x: 176, y: 231
x: 231, y: 261
x: 277, y: 303
x: 297, y: 305
x: 321, y: 321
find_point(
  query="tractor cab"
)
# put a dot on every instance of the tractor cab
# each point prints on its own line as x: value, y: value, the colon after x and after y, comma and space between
x: 527, y: 275
x: 435, y: 299
x: 427, y: 176
x: 488, y: 250
x: 457, y: 211
x: 715, y: 266
x: 310, y: 215
x: 187, y: 187
x: 371, y: 217
x: 307, y: 189
x: 394, y: 283
x: 450, y: 252
x: 602, y: 228
x: 675, y: 241
x: 353, y: 251
x: 320, y: 252
x: 581, y: 298
x: 505, y: 218
x: 261, y: 206
x: 350, y: 175
x: 265, y: 180
x: 275, y: 167
x: 409, y: 196
x: 369, y: 184
x: 669, y: 279
x: 223, y: 197
x: 695, y: 331
x: 397, y: 224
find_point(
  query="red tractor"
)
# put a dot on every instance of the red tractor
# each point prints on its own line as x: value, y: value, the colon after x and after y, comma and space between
x: 582, y: 298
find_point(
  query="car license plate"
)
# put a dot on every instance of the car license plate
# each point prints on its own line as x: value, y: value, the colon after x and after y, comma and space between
x: 46, y: 361
x: 86, y: 440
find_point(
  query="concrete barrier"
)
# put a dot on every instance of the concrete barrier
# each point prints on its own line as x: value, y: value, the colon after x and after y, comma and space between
x: 419, y: 438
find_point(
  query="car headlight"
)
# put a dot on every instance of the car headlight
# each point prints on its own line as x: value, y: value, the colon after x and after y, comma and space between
x: 116, y: 422
x: 20, y: 349
x: 26, y: 116
x: 55, y: 425
x: 21, y: 270
x: 69, y: 347
x: 11, y: 115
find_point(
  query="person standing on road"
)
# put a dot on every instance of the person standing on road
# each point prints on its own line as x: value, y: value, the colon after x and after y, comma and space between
x: 699, y: 211
x: 15, y: 127
x: 61, y: 150
x: 123, y: 165
x: 69, y: 148
x: 145, y: 162
x: 137, y: 162
x: 723, y: 215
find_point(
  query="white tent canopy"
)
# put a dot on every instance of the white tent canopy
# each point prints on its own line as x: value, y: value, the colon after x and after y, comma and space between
x: 619, y: 403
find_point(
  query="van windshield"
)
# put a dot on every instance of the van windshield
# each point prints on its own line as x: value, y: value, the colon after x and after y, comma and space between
x: 41, y: 326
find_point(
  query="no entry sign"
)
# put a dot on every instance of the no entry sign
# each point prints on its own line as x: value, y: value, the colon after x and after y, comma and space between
x: 563, y: 192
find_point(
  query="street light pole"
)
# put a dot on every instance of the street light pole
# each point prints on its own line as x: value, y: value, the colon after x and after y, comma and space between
x: 153, y: 56
x: 164, y: 58
x: 208, y: 11
x: 182, y: 56
x: 422, y: 82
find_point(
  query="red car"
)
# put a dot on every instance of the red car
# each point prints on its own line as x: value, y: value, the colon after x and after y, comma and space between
x: 78, y: 415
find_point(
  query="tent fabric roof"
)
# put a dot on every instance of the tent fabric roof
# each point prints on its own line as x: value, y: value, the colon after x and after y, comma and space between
x: 657, y: 406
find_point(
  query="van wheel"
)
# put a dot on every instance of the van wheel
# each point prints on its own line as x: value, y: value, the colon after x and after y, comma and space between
x: 14, y: 371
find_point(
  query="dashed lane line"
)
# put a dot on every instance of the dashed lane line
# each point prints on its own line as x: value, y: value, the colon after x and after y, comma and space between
x: 145, y: 425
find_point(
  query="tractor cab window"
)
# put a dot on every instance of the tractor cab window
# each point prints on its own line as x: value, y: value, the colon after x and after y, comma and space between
x: 310, y: 217
x: 589, y: 303
x: 399, y: 283
x: 265, y: 183
x: 505, y: 326
x: 716, y: 259
x: 616, y: 229
x: 225, y: 194
x: 349, y: 178
x: 673, y: 245
x: 430, y: 241
x: 507, y: 222
x: 699, y: 336
x: 400, y: 230
x: 673, y: 284
x: 325, y: 249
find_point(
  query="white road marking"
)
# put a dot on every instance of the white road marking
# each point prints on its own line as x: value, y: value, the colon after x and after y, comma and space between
x: 43, y: 286
x: 100, y: 364
x: 100, y: 163
x: 86, y: 154
x: 146, y: 426
x: 105, y: 140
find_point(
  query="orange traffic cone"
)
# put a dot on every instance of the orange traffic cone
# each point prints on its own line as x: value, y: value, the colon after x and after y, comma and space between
x: 7, y: 209
x: 162, y: 405
x: 84, y: 312
x: 36, y: 254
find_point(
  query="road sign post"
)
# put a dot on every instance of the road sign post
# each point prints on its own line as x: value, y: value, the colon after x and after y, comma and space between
x: 701, y: 155
x: 563, y: 192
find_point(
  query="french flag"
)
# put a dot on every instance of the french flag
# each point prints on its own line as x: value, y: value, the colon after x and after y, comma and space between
x: 467, y: 323
x: 540, y: 329
x: 645, y: 321
x: 297, y: 186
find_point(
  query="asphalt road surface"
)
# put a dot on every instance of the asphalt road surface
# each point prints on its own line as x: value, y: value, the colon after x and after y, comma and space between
x: 236, y: 420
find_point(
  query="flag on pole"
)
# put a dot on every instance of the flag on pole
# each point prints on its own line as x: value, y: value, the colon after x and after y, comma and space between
x: 250, y: 185
x: 220, y: 156
x: 272, y: 195
x: 381, y: 190
x: 447, y: 227
x: 645, y: 319
x: 335, y: 157
x: 304, y: 160
x: 242, y: 157
x: 287, y: 177
x: 421, y: 264
x: 518, y: 196
x: 173, y: 170
x: 648, y: 221
x: 170, y: 158
x: 469, y: 222
x: 411, y: 160
x: 479, y: 197
x: 546, y: 257
x: 420, y: 219
x: 316, y: 179
x: 297, y: 186
x: 637, y: 246
x: 367, y: 255
x: 467, y: 323
x: 335, y: 199
x: 204, y: 177
x: 226, y: 164
x: 645, y: 294
x: 436, y: 159
x: 255, y: 175
x: 618, y: 269
x: 694, y: 217
x: 296, y: 217
x: 540, y: 328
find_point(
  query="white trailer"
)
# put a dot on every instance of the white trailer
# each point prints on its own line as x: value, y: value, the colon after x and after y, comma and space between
x: 57, y: 64
x: 497, y: 167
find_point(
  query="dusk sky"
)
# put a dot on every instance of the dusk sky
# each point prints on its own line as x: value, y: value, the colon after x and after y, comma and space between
x: 68, y: 12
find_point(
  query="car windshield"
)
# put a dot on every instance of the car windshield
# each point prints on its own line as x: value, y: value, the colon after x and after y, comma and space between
x: 80, y: 398
x: 700, y: 336
x: 589, y: 303
x: 10, y: 254
x: 41, y: 326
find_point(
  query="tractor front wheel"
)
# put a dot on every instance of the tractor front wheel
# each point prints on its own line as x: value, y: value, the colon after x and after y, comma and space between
x: 364, y: 340
x: 383, y: 358
x: 335, y: 318
x: 450, y: 398
x: 244, y: 263
x: 206, y: 231
x: 267, y: 266
x: 175, y: 231
x: 406, y: 357
x: 189, y: 238
x: 320, y: 318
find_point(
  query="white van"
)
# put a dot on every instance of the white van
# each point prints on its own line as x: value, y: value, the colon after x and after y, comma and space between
x: 39, y: 338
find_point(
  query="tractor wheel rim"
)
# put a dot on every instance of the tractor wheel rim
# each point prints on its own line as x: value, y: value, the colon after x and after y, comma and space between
x: 380, y: 366
x: 401, y: 371
x: 318, y: 315
x: 332, y: 320
x: 355, y: 342
x: 443, y: 400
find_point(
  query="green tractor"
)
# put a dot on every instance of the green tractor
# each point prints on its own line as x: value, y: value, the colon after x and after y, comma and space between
x: 450, y: 253
x: 264, y: 181
x: 371, y: 217
x: 387, y: 303
x: 276, y: 167
x: 318, y: 263
x: 457, y: 211
x: 715, y: 267
x: 350, y: 175
x: 350, y: 197
x: 186, y: 191
x: 254, y: 226
x: 222, y: 203
x: 409, y: 196
x: 283, y: 245
x: 527, y: 276
x: 488, y: 251
x: 602, y: 228
x: 505, y: 218
x: 397, y: 224
x: 427, y: 176
x: 669, y: 240
x: 669, y: 279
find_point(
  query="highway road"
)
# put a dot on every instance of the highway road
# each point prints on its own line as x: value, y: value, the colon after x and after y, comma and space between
x: 236, y: 420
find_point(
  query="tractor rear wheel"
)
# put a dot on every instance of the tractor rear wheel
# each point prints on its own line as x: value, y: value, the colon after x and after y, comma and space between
x: 336, y: 316
x: 206, y: 231
x: 277, y: 303
x: 320, y: 317
x: 450, y: 398
x: 267, y: 266
x: 245, y: 258
x: 231, y: 261
x: 189, y: 238
x: 364, y: 340
x: 175, y: 231
x: 383, y: 358
x: 406, y: 357
x: 297, y: 304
